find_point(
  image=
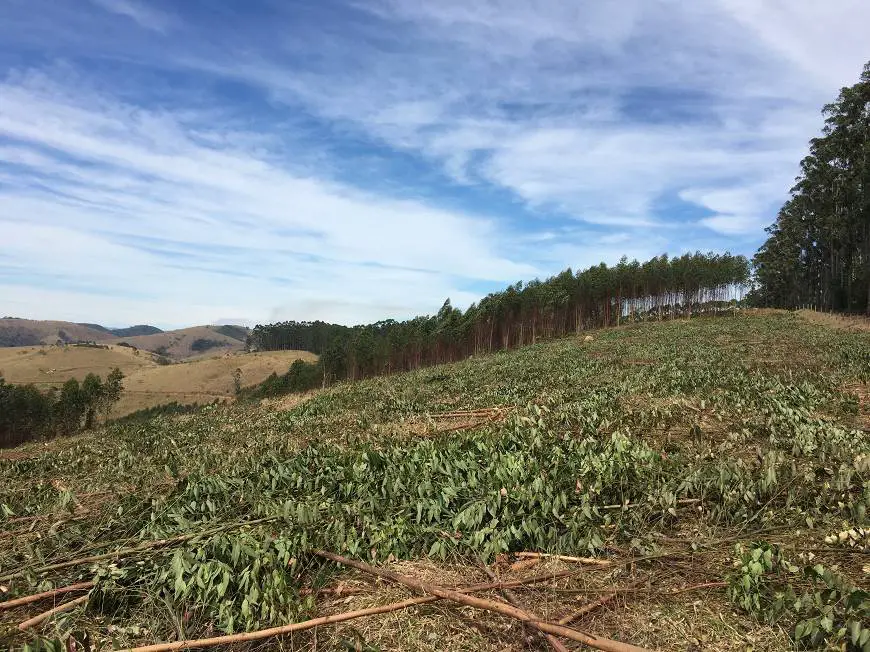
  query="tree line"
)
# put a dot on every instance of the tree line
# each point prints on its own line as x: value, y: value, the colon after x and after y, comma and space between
x: 26, y: 413
x: 600, y: 296
x: 818, y: 250
x: 311, y: 336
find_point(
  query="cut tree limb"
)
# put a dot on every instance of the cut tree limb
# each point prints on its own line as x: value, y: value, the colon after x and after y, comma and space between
x: 66, y: 606
x: 680, y: 502
x: 696, y: 587
x: 36, y: 597
x: 498, y: 607
x: 511, y: 597
x: 465, y: 426
x: 327, y: 620
x: 143, y: 547
x: 336, y: 591
x: 592, y: 561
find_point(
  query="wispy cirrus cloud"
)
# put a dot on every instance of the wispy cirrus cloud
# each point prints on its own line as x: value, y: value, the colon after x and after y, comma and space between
x: 597, y: 112
x: 140, y: 12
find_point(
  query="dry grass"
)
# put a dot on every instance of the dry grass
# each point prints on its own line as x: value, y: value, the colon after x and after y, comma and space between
x: 203, y: 380
x: 53, y: 365
x: 177, y: 343
x: 48, y: 332
x: 288, y: 401
x: 650, y: 615
x: 146, y: 383
x: 843, y: 322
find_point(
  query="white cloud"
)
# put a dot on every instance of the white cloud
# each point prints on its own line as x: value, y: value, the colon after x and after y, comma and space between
x: 826, y: 39
x: 546, y: 98
x: 140, y: 12
x: 138, y: 206
x: 738, y: 210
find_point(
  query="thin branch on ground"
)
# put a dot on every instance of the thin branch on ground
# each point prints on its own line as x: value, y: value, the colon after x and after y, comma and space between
x: 506, y: 610
x: 66, y: 606
x: 512, y: 598
x: 592, y: 561
x: 595, y: 604
x: 328, y: 620
x: 36, y: 597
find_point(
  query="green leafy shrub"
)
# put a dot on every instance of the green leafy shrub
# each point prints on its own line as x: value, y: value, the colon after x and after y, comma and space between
x: 826, y: 609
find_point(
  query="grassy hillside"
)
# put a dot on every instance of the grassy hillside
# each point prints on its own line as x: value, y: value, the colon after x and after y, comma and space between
x: 202, y: 380
x: 186, y: 343
x: 29, y: 332
x: 146, y: 382
x: 48, y: 366
x: 709, y: 466
x: 236, y: 332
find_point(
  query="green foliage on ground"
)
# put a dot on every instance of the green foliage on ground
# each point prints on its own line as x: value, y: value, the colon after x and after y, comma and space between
x: 830, y: 610
x: 727, y: 428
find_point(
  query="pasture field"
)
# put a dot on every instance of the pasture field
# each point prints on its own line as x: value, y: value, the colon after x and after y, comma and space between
x: 717, y: 471
x: 146, y: 383
x: 179, y: 344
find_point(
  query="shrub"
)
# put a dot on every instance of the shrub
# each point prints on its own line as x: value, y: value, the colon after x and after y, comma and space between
x: 202, y: 344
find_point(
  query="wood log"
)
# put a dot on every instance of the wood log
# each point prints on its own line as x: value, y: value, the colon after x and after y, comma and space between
x: 511, y: 597
x: 36, y: 597
x: 66, y: 606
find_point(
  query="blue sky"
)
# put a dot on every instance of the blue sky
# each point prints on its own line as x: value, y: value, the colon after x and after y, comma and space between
x: 197, y: 161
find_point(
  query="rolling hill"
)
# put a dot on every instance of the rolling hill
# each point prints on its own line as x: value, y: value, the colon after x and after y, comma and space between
x: 146, y: 382
x: 181, y: 344
x: 29, y: 332
x: 662, y: 484
x: 130, y: 331
x: 196, y: 341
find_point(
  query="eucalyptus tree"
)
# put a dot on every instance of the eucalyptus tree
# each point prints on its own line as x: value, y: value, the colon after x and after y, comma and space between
x: 818, y: 250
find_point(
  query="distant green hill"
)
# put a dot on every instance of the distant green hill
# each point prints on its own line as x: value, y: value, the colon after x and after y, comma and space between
x: 133, y: 331
x: 130, y: 331
x: 96, y: 327
x: 236, y: 332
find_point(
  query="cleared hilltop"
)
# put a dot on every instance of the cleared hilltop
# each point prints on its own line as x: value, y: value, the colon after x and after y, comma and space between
x: 698, y: 461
